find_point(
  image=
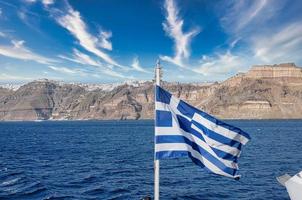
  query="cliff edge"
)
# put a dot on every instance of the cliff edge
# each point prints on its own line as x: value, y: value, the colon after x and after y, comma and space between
x: 264, y: 92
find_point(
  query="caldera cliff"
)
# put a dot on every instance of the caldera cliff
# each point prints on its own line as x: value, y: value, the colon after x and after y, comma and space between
x: 264, y: 92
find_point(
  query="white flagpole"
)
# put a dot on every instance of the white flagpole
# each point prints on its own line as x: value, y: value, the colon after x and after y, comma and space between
x: 156, y: 162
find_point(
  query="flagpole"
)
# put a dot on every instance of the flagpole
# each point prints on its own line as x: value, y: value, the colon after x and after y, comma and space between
x: 156, y: 162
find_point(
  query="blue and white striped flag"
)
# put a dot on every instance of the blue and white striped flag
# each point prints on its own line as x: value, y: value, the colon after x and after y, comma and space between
x: 184, y: 131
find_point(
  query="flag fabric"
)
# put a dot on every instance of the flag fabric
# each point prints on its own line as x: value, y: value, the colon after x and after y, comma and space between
x: 182, y: 130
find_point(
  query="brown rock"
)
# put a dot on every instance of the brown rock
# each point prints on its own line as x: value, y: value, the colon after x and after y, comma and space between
x: 265, y: 92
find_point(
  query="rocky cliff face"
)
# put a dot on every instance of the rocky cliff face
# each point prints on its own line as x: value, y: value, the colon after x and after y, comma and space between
x: 242, y: 97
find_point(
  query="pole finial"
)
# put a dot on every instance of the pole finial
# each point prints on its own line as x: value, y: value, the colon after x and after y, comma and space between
x: 158, y: 72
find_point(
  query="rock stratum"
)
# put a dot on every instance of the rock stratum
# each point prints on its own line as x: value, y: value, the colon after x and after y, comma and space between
x: 264, y: 92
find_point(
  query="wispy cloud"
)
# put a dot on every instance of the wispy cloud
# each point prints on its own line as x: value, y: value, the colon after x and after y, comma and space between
x: 47, y: 2
x: 8, y: 77
x: 81, y: 58
x: 268, y: 43
x: 104, y: 42
x: 237, y: 15
x: 101, y: 68
x: 73, y: 22
x: 173, y: 26
x: 115, y: 74
x: 30, y: 1
x: 22, y: 15
x: 19, y: 51
x: 281, y: 45
x: 44, y: 2
x: 68, y: 71
x: 3, y: 35
x: 85, y: 59
x: 221, y: 64
x: 31, y: 19
x: 136, y: 66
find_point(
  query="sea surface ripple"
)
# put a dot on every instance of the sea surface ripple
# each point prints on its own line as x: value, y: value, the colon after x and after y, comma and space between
x: 114, y: 160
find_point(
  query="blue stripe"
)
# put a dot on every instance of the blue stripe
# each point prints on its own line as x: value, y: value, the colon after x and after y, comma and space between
x: 218, y: 137
x: 196, y: 147
x: 169, y: 139
x: 225, y: 155
x: 223, y: 124
x: 188, y: 110
x: 163, y: 118
x: 185, y: 125
x: 171, y: 154
x: 162, y: 95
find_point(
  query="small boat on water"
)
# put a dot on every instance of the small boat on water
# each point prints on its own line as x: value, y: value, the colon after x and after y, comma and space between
x: 293, y: 185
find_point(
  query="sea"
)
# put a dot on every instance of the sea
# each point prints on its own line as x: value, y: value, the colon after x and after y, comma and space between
x: 114, y: 160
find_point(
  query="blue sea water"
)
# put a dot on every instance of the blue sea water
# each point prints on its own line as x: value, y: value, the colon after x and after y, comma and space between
x: 114, y: 160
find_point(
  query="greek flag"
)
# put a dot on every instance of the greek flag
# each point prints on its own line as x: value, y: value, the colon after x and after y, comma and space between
x: 184, y: 131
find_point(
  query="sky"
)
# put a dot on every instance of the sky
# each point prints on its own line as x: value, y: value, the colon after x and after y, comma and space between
x: 99, y: 41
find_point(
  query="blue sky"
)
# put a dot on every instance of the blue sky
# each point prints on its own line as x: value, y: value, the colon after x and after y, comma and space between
x: 118, y: 40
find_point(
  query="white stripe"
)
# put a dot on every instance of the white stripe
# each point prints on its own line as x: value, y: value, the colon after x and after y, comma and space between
x: 213, y: 143
x: 174, y: 103
x: 162, y: 106
x: 195, y: 154
x: 201, y: 143
x: 219, y: 129
x: 172, y: 107
x: 167, y: 131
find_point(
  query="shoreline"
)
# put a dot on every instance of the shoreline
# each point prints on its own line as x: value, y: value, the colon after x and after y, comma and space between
x: 122, y: 120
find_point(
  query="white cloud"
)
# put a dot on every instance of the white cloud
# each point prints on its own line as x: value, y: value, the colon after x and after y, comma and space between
x: 173, y: 26
x: 22, y: 15
x: 63, y: 70
x: 104, y: 40
x: 71, y: 59
x: 136, y: 66
x: 44, y: 2
x: 30, y: 19
x: 72, y: 21
x: 8, y: 77
x: 19, y: 51
x: 266, y: 48
x: 239, y: 14
x: 30, y: 1
x: 221, y: 64
x: 272, y: 41
x: 114, y: 73
x: 282, y: 45
x: 68, y: 71
x: 47, y: 2
x: 3, y: 35
x: 85, y: 59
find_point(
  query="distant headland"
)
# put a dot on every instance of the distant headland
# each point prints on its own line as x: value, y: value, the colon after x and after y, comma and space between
x: 264, y: 92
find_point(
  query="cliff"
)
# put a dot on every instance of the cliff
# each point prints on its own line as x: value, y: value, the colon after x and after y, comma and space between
x: 265, y: 92
x: 275, y: 71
